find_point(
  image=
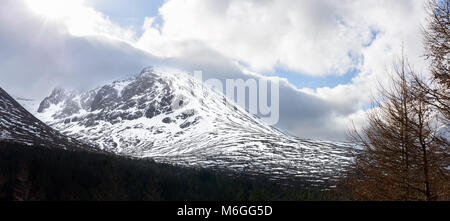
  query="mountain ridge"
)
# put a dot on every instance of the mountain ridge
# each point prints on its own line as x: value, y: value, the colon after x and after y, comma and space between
x: 20, y: 126
x: 171, y: 117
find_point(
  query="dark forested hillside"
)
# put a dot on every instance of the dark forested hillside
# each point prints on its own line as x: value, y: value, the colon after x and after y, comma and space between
x: 38, y: 173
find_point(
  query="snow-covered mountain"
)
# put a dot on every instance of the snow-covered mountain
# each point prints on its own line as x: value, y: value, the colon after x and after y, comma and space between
x: 171, y: 117
x: 19, y: 126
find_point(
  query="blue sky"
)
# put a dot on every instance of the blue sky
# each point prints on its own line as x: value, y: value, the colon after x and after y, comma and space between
x: 130, y: 13
x: 308, y: 81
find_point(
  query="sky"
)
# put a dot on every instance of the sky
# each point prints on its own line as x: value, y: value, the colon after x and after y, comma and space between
x: 329, y: 55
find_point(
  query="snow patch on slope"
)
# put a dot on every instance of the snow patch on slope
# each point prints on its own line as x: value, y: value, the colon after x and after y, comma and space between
x: 171, y: 117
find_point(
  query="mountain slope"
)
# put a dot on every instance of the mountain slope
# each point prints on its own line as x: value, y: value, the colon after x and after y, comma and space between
x: 19, y: 126
x: 171, y: 117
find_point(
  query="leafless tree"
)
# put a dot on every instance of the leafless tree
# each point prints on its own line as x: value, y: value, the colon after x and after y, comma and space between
x: 437, y: 45
x: 401, y: 156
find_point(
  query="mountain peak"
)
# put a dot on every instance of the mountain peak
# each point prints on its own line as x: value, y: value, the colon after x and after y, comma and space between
x: 146, y: 70
x: 57, y: 96
x: 57, y: 91
x: 169, y: 116
x: 20, y: 126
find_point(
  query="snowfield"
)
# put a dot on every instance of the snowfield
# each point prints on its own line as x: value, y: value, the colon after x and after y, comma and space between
x: 137, y: 117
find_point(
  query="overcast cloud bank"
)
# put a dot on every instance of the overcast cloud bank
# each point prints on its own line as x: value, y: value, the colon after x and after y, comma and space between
x: 224, y: 39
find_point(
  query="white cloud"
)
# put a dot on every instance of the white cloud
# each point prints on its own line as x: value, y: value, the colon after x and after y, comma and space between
x: 38, y: 53
x: 310, y: 37
x: 79, y: 19
x: 80, y: 47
